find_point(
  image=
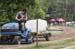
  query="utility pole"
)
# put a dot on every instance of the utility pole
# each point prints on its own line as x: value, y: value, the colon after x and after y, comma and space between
x: 37, y: 33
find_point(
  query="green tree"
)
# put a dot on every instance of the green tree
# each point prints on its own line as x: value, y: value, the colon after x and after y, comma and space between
x: 63, y: 8
x: 9, y: 8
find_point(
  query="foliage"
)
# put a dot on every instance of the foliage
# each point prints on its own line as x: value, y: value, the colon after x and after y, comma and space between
x: 63, y: 8
x: 37, y: 9
x: 9, y: 8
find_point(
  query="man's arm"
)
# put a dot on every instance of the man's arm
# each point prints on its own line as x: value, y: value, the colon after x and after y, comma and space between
x: 17, y: 15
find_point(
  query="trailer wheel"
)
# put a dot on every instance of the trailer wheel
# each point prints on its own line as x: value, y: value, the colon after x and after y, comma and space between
x: 47, y: 36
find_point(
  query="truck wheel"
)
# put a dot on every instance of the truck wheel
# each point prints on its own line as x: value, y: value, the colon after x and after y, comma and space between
x: 16, y: 40
x: 1, y: 40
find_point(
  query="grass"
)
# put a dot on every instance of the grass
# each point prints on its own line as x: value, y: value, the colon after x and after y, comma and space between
x: 52, y: 45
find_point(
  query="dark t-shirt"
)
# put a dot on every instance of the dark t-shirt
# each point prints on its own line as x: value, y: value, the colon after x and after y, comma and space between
x: 21, y: 15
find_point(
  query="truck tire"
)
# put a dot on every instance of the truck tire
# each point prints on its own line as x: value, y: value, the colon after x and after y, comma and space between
x: 16, y: 40
x: 4, y: 39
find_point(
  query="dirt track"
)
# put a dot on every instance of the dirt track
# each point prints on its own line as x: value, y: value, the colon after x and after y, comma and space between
x: 68, y: 33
